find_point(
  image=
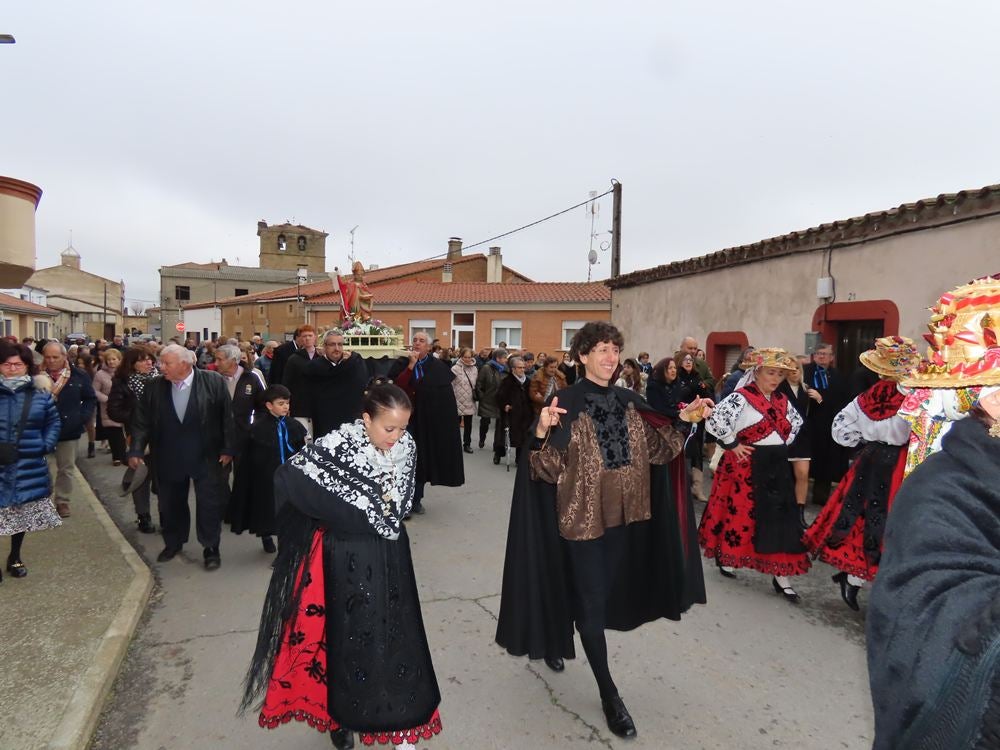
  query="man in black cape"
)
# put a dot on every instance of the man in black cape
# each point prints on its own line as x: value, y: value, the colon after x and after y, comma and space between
x: 550, y: 583
x: 334, y: 384
x: 427, y: 381
x: 933, y: 630
x: 829, y: 460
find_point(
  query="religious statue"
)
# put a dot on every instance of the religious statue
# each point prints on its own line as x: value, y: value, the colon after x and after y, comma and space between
x: 356, y: 299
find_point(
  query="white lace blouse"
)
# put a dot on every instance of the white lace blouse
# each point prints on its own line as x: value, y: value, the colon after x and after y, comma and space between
x: 852, y: 426
x: 734, y: 414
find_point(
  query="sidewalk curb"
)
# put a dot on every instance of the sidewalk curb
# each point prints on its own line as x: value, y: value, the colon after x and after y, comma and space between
x: 79, y: 720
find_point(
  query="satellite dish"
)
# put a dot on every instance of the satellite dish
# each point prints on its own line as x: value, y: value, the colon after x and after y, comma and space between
x: 592, y: 257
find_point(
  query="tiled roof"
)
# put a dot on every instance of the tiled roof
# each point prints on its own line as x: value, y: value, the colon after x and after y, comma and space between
x: 381, y: 275
x: 473, y: 292
x: 285, y: 292
x: 9, y: 302
x: 224, y: 271
x: 947, y: 208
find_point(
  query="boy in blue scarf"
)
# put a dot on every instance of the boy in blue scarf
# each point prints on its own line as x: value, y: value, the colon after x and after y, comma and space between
x: 274, y: 437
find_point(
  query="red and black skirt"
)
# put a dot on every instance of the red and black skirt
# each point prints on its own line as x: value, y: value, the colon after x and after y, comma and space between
x: 847, y: 534
x: 751, y: 520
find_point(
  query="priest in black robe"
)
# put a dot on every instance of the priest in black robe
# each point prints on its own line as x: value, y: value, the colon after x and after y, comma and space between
x: 427, y: 381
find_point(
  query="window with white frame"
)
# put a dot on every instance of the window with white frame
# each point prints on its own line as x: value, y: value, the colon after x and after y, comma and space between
x: 6, y: 327
x: 508, y: 331
x: 423, y: 326
x: 41, y: 330
x: 569, y: 329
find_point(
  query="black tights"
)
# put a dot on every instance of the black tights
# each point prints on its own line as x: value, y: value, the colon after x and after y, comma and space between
x: 15, y: 546
x: 595, y: 646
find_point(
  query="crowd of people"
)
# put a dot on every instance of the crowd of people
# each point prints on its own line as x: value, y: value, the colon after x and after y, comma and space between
x: 301, y: 446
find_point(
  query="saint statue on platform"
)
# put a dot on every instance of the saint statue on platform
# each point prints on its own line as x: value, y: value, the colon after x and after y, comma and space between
x: 356, y: 298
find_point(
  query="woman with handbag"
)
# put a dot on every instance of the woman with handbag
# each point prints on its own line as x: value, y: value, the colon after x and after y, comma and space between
x: 29, y: 430
x: 464, y: 386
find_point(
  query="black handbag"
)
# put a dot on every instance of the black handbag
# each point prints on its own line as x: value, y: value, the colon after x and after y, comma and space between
x: 8, y: 451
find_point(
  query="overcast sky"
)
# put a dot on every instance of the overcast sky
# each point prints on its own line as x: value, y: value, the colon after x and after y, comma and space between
x: 162, y: 132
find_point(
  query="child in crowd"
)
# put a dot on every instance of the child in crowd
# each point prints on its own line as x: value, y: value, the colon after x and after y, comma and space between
x: 273, y: 439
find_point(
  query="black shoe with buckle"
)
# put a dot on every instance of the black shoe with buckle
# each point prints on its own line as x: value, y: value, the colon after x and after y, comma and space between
x: 343, y: 739
x: 555, y: 663
x: 619, y: 719
x: 786, y: 591
x: 725, y: 573
x: 145, y: 522
x: 168, y: 553
x: 212, y: 558
x: 16, y: 568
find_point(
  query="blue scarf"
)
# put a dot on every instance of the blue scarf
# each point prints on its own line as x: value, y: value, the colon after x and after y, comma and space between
x: 820, y: 381
x: 499, y: 367
x: 283, y: 442
x: 418, y: 369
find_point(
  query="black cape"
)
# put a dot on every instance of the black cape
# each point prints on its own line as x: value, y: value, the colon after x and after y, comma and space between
x: 518, y: 420
x: 334, y: 393
x: 933, y: 625
x: 433, y: 424
x: 661, y: 575
x: 828, y: 459
x: 251, y: 504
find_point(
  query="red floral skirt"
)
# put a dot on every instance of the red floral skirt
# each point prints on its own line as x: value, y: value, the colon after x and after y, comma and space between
x: 297, y: 689
x: 849, y: 555
x: 728, y: 525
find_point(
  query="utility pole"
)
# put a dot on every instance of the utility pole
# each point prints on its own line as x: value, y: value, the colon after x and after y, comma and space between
x: 616, y: 231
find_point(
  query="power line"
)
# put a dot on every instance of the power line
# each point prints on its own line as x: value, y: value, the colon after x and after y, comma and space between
x: 526, y: 226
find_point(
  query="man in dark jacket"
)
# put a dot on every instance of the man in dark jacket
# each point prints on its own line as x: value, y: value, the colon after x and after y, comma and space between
x: 829, y: 460
x: 427, y: 381
x: 334, y: 384
x: 76, y: 401
x: 292, y: 376
x: 186, y: 419
x: 281, y: 355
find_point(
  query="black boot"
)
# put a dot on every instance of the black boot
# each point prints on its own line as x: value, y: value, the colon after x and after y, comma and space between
x: 802, y: 517
x: 268, y: 543
x: 618, y: 718
x: 90, y: 450
x: 342, y: 739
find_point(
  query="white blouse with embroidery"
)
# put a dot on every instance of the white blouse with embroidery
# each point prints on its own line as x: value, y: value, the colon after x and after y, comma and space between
x: 734, y: 414
x: 852, y: 426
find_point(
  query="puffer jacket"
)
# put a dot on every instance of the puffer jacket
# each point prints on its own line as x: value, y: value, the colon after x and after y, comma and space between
x: 486, y: 388
x: 464, y: 386
x: 28, y: 478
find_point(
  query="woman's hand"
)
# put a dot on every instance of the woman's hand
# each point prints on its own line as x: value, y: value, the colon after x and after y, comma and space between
x: 814, y: 395
x: 548, y: 418
x: 743, y: 452
x: 697, y: 410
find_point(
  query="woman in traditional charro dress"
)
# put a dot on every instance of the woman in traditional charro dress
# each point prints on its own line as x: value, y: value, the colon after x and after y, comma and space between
x: 341, y: 643
x: 848, y: 532
x: 751, y: 520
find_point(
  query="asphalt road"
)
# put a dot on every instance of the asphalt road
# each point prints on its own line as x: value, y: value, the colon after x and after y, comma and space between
x: 747, y: 671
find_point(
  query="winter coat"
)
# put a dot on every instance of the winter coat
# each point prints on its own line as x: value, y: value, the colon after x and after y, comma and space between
x: 103, y: 381
x: 294, y: 379
x: 121, y: 403
x: 27, y: 479
x: 521, y: 415
x: 263, y: 364
x: 486, y: 389
x: 334, y: 392
x: 538, y: 387
x: 464, y: 385
x: 76, y: 403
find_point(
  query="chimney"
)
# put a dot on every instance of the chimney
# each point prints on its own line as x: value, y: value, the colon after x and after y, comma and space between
x: 494, y: 266
x: 454, y: 248
x: 446, y: 273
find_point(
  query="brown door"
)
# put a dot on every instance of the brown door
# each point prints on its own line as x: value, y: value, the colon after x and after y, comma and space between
x: 854, y: 337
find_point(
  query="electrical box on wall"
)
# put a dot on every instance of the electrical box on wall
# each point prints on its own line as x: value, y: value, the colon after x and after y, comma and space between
x: 824, y: 287
x: 812, y: 341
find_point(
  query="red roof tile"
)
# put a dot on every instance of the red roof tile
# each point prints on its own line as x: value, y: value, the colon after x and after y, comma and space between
x: 9, y: 302
x: 467, y: 292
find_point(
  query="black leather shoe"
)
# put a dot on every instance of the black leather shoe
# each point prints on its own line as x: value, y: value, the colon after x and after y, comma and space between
x: 16, y: 568
x: 496, y: 460
x: 848, y: 591
x: 168, y: 554
x: 467, y: 449
x: 555, y: 663
x: 619, y: 720
x: 268, y: 543
x: 482, y: 444
x: 342, y: 739
x: 212, y: 558
x: 788, y: 592
x: 146, y: 524
x: 802, y: 517
x: 725, y: 573
x: 418, y: 510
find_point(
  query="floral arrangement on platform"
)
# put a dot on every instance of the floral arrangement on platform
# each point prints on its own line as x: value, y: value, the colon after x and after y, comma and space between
x: 370, y: 333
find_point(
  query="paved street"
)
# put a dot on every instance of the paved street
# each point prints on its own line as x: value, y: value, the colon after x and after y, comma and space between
x: 746, y: 671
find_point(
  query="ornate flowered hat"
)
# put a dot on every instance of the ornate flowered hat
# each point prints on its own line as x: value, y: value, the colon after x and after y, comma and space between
x: 893, y: 356
x: 964, y: 331
x: 769, y: 357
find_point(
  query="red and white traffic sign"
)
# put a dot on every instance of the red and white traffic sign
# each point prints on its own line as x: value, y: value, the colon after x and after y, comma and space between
x: 180, y: 326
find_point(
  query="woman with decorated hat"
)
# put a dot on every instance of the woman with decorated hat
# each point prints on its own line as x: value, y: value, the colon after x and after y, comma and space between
x: 848, y: 532
x: 751, y: 520
x: 933, y: 626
